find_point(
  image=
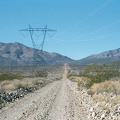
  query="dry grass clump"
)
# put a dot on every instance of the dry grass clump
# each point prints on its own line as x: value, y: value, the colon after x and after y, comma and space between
x: 80, y: 81
x: 104, y: 99
x: 26, y: 83
x: 108, y: 92
x: 75, y: 78
x: 101, y: 97
x: 37, y: 81
x: 107, y: 86
x: 15, y: 84
x: 7, y: 85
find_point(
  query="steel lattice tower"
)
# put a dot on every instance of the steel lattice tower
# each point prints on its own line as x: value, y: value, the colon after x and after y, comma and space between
x: 32, y: 31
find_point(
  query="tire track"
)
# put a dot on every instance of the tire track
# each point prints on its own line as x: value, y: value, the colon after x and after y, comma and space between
x: 40, y: 108
x: 34, y: 106
x: 61, y: 107
x: 78, y: 107
x: 57, y: 101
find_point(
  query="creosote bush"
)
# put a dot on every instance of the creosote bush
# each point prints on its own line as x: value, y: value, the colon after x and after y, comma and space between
x: 41, y: 73
x: 10, y: 76
x: 99, y: 73
x: 95, y: 74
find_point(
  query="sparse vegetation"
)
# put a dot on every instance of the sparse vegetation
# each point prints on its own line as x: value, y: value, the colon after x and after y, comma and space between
x: 41, y: 73
x: 10, y: 76
x: 21, y: 79
x: 97, y: 74
x: 108, y: 91
x: 107, y: 86
x: 16, y: 84
x: 102, y: 83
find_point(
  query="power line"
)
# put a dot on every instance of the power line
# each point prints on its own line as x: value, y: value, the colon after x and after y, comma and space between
x: 92, y: 39
x: 97, y: 30
x: 102, y: 28
x: 88, y: 16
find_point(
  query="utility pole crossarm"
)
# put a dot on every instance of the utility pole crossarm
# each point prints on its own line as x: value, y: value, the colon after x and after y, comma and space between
x: 38, y: 29
x: 32, y: 31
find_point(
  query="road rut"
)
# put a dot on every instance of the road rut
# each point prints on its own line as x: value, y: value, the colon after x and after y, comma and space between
x: 56, y: 101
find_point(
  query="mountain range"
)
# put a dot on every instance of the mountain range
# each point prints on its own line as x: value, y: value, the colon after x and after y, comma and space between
x: 104, y: 57
x: 10, y: 52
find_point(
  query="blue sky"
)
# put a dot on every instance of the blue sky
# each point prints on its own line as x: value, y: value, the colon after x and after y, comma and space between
x: 84, y: 27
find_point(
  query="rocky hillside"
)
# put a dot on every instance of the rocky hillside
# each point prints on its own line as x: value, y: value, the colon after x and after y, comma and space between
x: 104, y: 57
x: 10, y: 52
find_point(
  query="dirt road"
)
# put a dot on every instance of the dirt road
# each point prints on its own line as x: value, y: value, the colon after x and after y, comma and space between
x: 57, y: 101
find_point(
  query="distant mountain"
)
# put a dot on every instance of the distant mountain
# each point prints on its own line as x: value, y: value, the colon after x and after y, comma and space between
x: 10, y: 52
x: 17, y: 52
x: 104, y: 57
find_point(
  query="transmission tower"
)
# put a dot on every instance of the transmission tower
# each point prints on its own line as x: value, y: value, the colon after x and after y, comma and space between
x: 45, y: 32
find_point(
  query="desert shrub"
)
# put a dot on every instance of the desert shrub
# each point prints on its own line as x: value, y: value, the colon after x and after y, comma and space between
x: 41, y: 73
x: 79, y: 83
x: 10, y: 76
x: 99, y: 73
x: 26, y: 83
x: 69, y: 75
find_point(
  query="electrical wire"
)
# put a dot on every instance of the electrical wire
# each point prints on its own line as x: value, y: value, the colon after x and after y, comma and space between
x: 24, y: 35
x: 93, y: 39
x: 102, y: 28
x: 38, y: 35
x: 88, y: 16
x: 50, y: 35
